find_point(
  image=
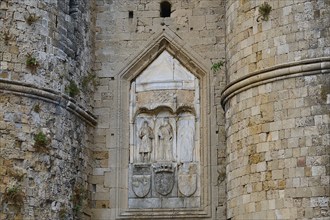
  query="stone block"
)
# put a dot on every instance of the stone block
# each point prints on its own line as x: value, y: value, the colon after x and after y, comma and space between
x: 172, y: 203
x: 148, y: 203
x: 192, y: 202
x: 96, y: 179
x: 197, y: 23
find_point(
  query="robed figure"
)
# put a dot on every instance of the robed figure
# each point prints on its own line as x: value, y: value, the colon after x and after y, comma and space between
x: 165, y: 138
x: 146, y: 135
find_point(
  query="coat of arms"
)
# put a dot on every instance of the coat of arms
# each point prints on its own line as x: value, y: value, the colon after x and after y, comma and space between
x: 164, y: 179
x: 141, y: 185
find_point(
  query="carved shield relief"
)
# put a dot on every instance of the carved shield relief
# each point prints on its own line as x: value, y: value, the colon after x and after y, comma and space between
x: 141, y: 185
x: 164, y: 182
x: 187, y: 184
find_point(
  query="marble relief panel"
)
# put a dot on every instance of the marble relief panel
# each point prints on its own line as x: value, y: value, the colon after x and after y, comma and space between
x: 164, y: 137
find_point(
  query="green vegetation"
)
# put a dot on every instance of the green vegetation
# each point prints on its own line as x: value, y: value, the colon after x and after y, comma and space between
x: 7, y: 36
x: 217, y: 66
x: 78, y: 197
x: 31, y: 61
x: 41, y: 142
x: 31, y: 18
x: 264, y: 11
x: 37, y: 108
x: 87, y: 80
x: 62, y: 213
x: 72, y: 89
x: 15, y: 196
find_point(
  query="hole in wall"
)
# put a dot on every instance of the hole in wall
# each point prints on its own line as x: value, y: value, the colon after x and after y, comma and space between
x: 112, y: 78
x: 130, y: 14
x: 165, y: 9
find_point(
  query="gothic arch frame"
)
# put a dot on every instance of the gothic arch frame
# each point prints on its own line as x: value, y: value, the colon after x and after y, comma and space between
x: 169, y: 41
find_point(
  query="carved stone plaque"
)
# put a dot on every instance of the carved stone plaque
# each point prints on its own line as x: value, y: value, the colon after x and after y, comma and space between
x: 164, y: 137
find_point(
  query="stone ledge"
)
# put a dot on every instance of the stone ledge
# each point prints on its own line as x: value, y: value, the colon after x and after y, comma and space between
x: 48, y: 95
x: 278, y: 72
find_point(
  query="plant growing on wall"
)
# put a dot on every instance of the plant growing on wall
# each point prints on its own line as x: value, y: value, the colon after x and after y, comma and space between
x: 31, y: 61
x: 17, y: 174
x: 62, y: 213
x: 89, y: 79
x: 37, y: 108
x: 217, y: 66
x: 264, y: 11
x: 7, y: 36
x: 78, y: 197
x: 72, y: 89
x: 15, y: 196
x: 41, y: 142
x: 31, y: 18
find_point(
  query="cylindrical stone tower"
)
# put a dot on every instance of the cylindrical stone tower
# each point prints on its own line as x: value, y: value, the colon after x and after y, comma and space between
x: 277, y: 109
x: 45, y: 84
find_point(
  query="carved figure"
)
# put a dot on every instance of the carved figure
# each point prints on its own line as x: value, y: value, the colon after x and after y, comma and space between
x: 165, y: 137
x: 146, y: 135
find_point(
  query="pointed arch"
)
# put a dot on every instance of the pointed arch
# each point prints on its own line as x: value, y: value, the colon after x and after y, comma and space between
x: 134, y: 67
x: 169, y: 41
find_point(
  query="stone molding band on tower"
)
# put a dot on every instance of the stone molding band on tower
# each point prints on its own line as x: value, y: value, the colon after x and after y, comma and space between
x: 48, y: 95
x: 278, y: 72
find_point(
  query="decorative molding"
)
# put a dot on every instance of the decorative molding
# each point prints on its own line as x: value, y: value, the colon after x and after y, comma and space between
x: 47, y: 95
x: 164, y: 40
x: 172, y: 43
x: 278, y: 72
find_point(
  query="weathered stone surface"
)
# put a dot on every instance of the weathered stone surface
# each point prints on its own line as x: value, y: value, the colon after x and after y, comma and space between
x: 263, y: 156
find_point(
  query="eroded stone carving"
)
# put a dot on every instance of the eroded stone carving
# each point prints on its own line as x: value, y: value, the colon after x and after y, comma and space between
x: 165, y: 140
x: 146, y: 135
x: 141, y: 185
x: 164, y: 178
x: 187, y: 179
x: 164, y: 137
x: 186, y: 137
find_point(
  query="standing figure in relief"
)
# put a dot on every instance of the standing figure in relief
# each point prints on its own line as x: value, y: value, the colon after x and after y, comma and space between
x: 165, y: 137
x: 146, y: 135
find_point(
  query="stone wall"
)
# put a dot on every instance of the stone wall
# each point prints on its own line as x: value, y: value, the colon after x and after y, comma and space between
x: 277, y: 110
x: 295, y: 31
x: 45, y: 89
x: 278, y: 158
x: 199, y: 26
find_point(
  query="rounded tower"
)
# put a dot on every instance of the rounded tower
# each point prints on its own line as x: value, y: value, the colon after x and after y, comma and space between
x: 45, y: 79
x: 277, y: 109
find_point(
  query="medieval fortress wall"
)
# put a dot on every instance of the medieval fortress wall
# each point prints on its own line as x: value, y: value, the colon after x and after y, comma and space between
x: 82, y: 73
x: 277, y: 110
x: 45, y: 46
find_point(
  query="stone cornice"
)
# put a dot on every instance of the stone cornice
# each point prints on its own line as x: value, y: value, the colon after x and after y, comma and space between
x: 278, y: 72
x: 48, y: 95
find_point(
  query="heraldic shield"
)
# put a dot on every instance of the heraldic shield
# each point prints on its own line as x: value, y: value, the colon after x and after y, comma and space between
x: 141, y: 185
x: 187, y: 184
x: 164, y: 179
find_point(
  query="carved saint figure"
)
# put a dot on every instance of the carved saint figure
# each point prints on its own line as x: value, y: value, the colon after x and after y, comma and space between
x: 165, y: 137
x: 146, y: 135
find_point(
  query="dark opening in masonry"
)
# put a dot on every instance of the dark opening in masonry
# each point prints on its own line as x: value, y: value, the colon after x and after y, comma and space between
x: 165, y: 9
x: 130, y: 14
